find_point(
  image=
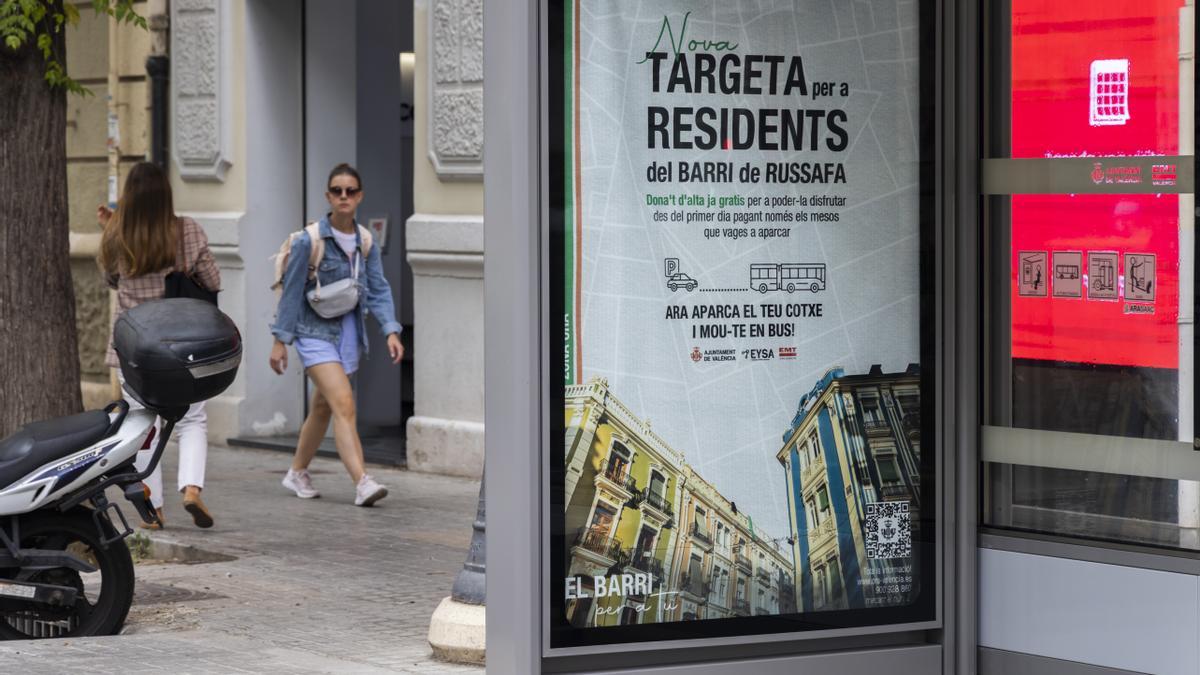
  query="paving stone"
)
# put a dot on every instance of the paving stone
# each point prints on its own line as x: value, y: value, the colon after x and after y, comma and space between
x: 317, y: 586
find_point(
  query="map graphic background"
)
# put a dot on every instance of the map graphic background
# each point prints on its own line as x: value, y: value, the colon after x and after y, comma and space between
x: 728, y: 418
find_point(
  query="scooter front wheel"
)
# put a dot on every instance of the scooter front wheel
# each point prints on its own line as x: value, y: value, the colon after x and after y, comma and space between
x: 102, y: 597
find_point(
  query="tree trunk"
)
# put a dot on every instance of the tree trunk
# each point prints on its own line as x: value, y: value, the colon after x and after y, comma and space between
x: 39, y: 354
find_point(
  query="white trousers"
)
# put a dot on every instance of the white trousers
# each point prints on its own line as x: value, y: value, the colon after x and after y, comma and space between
x: 192, y: 434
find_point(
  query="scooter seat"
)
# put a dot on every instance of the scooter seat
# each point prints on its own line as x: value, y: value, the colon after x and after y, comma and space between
x: 38, y: 443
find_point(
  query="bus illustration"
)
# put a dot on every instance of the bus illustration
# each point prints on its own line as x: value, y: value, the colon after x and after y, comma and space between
x: 790, y: 277
x: 1066, y: 271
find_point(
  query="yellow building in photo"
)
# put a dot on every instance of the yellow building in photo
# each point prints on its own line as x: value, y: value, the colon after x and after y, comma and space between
x: 635, y: 507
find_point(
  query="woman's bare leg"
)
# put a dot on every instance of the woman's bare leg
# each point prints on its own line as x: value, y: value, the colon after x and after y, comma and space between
x: 312, y: 432
x: 334, y: 385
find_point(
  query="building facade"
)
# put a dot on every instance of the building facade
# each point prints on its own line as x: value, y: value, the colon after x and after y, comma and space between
x: 622, y: 496
x: 725, y: 566
x: 107, y: 132
x: 634, y: 505
x: 264, y: 99
x: 854, y: 443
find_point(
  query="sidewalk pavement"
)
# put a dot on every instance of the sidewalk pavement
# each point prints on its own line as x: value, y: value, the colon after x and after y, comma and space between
x: 314, y: 586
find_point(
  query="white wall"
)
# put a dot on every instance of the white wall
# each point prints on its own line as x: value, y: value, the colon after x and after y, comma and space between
x: 273, y: 170
x: 1146, y: 621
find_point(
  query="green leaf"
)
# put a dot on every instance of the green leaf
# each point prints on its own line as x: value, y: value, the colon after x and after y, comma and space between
x: 72, y: 13
x: 13, y: 42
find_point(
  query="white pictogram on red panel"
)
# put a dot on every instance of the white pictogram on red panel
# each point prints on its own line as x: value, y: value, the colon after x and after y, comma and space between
x: 1109, y: 92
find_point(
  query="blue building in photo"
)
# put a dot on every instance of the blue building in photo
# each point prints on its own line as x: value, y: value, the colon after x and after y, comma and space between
x: 852, y: 461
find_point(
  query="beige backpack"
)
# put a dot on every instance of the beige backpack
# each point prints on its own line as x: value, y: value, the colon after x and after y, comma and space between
x: 314, y: 257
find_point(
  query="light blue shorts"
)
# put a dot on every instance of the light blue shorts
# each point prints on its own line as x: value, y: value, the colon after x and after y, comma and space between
x: 313, y: 351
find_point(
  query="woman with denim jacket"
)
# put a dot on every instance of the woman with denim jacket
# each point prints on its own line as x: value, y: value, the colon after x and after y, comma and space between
x: 329, y: 349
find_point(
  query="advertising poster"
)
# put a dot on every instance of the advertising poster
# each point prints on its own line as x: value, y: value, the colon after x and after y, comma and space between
x: 737, y: 235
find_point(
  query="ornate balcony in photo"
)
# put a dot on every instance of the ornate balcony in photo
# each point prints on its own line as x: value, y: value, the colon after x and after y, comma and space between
x: 614, y: 477
x: 645, y: 562
x: 876, y: 427
x: 701, y: 534
x: 595, y: 545
x: 658, y: 505
x: 813, y: 470
x: 743, y: 562
x: 822, y: 534
x: 741, y: 607
x: 694, y: 586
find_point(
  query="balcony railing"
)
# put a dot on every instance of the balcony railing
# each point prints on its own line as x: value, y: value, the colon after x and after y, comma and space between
x: 912, y: 420
x: 645, y: 562
x: 876, y: 426
x: 700, y: 531
x: 893, y: 490
x: 660, y: 503
x: 597, y: 542
x: 763, y: 575
x: 616, y: 474
x: 813, y: 469
x: 741, y: 607
x: 743, y: 561
x: 693, y: 585
x: 826, y: 530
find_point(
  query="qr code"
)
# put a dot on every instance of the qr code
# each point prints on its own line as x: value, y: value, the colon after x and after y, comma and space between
x: 889, y: 530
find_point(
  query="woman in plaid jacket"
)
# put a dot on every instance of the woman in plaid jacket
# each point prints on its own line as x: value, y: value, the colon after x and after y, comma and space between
x: 143, y: 242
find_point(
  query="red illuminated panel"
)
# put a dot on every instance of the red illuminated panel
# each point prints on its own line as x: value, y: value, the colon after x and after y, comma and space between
x: 1095, y: 79
x: 1097, y: 330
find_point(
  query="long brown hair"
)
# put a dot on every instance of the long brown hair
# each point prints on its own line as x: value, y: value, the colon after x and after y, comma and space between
x: 142, y: 235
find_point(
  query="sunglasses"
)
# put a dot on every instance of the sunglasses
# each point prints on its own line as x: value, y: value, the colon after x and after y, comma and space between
x: 337, y: 191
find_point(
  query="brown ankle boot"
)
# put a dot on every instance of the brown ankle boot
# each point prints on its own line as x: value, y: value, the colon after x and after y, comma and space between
x: 195, y: 506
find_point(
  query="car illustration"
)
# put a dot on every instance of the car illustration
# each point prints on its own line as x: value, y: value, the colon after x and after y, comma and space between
x: 678, y: 281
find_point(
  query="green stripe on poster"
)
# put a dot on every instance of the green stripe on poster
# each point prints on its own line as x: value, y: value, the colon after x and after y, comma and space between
x: 569, y: 270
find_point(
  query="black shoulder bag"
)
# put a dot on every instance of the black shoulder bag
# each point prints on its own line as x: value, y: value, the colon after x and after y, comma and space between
x: 180, y: 285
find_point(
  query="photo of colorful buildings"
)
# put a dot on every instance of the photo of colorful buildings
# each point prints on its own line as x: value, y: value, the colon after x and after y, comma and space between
x: 635, y: 507
x: 852, y: 458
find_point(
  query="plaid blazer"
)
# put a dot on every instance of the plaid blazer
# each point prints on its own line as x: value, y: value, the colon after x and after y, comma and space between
x: 193, y: 258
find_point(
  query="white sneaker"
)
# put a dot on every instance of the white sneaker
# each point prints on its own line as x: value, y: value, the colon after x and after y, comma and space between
x: 301, y: 483
x: 368, y: 491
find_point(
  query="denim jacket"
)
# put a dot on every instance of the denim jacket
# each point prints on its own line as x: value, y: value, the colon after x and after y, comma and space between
x: 294, y: 318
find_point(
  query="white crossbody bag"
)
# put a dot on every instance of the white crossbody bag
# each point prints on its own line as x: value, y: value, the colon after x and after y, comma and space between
x: 338, y: 298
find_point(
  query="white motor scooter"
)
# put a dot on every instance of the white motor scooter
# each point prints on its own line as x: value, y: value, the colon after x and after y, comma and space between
x: 65, y: 569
